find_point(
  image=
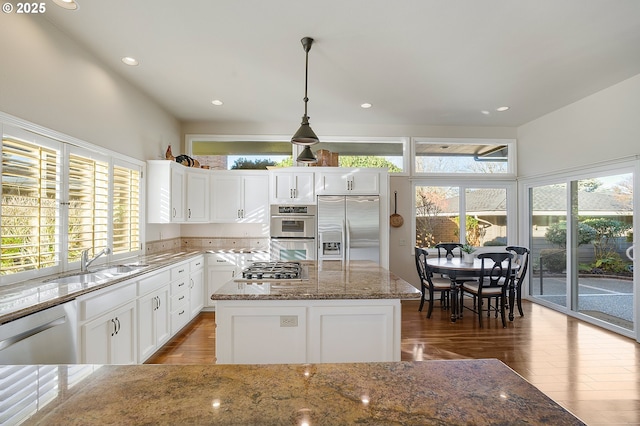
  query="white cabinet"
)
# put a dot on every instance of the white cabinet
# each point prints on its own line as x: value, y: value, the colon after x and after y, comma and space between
x: 224, y: 267
x: 166, y: 196
x: 348, y: 182
x: 240, y: 197
x: 153, y: 313
x: 196, y: 286
x: 180, y: 310
x: 108, y: 325
x: 292, y: 187
x: 197, y: 199
x: 111, y: 338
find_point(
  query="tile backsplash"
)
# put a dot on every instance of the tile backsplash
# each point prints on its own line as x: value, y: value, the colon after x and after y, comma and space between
x: 207, y: 243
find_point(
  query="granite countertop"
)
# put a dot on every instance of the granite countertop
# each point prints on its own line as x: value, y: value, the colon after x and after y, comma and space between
x: 26, y: 297
x: 325, y: 280
x: 408, y: 393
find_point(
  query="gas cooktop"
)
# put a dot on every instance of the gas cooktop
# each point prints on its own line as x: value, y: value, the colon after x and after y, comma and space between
x: 275, y: 270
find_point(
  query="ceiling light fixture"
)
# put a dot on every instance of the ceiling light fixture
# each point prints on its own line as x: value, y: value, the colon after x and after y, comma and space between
x: 67, y: 4
x: 216, y: 102
x: 502, y: 108
x: 305, y: 135
x: 366, y: 105
x: 128, y: 60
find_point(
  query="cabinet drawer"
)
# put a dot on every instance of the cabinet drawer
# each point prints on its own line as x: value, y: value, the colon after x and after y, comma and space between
x: 180, y: 301
x: 179, y: 319
x: 104, y: 302
x: 196, y: 264
x: 179, y: 286
x: 180, y: 271
x: 222, y: 259
x: 147, y: 284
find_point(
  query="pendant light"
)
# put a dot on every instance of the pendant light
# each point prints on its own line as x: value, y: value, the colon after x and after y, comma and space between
x: 305, y: 135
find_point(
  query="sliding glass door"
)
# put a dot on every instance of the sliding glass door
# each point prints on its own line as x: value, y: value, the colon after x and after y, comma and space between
x: 581, y: 239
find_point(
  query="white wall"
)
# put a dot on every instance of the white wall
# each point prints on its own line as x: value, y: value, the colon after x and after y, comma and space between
x: 600, y: 127
x: 51, y: 80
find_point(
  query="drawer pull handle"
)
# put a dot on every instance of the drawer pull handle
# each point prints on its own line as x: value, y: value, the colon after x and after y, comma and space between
x: 182, y: 312
x: 181, y: 297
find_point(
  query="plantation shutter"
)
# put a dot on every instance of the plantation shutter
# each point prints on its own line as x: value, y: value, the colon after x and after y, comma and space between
x: 88, y: 205
x: 30, y: 197
x: 126, y: 209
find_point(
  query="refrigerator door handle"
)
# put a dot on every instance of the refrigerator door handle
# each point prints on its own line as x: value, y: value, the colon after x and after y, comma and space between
x: 347, y: 242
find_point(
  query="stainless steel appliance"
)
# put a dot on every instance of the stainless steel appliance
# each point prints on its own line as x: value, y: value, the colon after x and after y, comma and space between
x: 45, y: 337
x: 273, y: 270
x: 293, y: 230
x: 348, y: 227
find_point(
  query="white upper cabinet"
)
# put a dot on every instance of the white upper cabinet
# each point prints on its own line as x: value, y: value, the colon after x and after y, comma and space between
x: 240, y: 197
x: 197, y: 195
x: 166, y: 192
x: 292, y: 187
x: 341, y: 181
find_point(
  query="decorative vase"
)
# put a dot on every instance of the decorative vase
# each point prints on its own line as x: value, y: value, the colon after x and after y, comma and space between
x: 467, y: 257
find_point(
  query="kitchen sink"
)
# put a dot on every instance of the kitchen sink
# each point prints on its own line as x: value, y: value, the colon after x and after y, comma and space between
x: 99, y: 276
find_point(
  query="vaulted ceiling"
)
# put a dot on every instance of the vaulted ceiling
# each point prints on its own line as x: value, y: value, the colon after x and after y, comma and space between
x: 418, y: 62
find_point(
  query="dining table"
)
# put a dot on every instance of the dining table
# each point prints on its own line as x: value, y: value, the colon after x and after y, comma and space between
x: 458, y: 270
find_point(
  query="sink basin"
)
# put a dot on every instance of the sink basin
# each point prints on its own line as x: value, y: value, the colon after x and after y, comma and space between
x: 102, y: 275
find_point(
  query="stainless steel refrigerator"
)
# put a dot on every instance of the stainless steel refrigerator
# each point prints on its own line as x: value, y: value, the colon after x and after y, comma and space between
x: 348, y: 227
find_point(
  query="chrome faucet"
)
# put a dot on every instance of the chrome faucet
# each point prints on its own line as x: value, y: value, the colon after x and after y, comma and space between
x: 84, y: 258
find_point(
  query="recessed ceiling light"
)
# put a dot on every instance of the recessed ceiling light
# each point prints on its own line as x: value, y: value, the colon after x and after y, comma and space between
x: 502, y: 108
x: 130, y: 61
x: 67, y: 4
x: 485, y: 112
x: 366, y: 105
x: 216, y: 102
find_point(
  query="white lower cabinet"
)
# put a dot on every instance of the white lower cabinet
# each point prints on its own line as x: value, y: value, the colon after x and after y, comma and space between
x: 108, y: 325
x: 307, y: 331
x: 154, y: 328
x: 196, y: 286
x: 111, y: 338
x: 179, y: 293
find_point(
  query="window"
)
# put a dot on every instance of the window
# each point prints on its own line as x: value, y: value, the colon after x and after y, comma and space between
x: 30, y: 200
x: 227, y: 152
x: 464, y: 156
x: 481, y: 210
x: 59, y: 199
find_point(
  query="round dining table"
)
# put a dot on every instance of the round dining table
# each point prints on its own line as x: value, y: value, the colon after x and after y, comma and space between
x: 458, y: 270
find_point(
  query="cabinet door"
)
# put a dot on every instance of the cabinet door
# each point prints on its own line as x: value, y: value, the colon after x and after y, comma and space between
x: 153, y: 322
x: 178, y: 184
x: 196, y: 292
x: 110, y: 339
x: 124, y: 347
x: 365, y: 183
x: 197, y: 196
x: 292, y: 188
x: 226, y: 199
x: 255, y: 199
x: 216, y: 278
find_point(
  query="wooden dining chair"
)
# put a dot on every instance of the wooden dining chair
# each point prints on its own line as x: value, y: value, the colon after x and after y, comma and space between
x: 494, y: 281
x: 448, y: 249
x: 430, y: 284
x: 521, y: 258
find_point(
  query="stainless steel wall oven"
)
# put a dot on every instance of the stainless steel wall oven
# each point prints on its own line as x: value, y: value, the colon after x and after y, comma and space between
x: 293, y: 231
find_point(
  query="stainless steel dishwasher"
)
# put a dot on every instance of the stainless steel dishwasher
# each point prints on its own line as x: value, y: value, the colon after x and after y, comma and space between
x: 45, y: 337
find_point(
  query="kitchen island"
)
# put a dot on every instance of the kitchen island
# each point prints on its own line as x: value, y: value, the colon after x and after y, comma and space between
x: 337, y: 312
x: 417, y: 393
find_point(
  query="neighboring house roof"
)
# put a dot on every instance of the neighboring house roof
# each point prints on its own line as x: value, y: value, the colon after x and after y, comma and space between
x: 548, y: 199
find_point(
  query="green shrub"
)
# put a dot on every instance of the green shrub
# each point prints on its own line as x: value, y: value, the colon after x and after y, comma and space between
x: 554, y: 260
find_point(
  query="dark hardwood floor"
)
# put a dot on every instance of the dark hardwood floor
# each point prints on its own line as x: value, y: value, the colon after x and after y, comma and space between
x: 592, y: 372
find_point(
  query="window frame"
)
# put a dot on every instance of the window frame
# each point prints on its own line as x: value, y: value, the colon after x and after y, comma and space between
x: 463, y: 183
x: 297, y: 149
x: 65, y: 145
x: 511, y: 157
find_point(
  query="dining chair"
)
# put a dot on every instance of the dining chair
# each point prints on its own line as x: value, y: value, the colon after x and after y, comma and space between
x: 521, y: 258
x: 448, y: 249
x: 494, y: 281
x: 429, y: 284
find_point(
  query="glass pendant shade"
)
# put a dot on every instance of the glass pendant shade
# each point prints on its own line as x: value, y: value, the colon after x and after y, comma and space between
x: 306, y: 156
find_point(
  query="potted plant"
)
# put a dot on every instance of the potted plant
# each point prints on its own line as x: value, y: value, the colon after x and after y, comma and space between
x: 467, y: 253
